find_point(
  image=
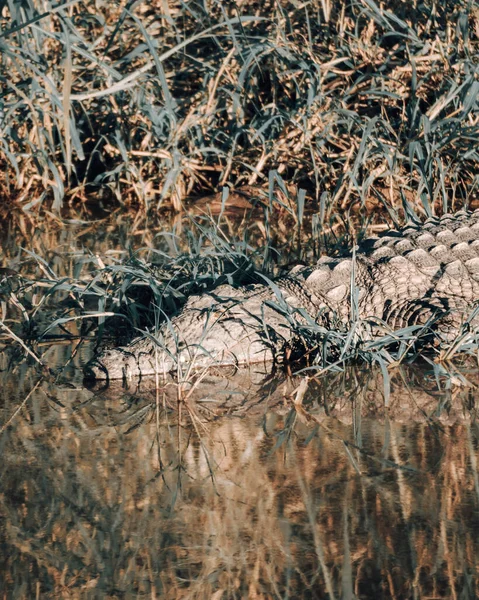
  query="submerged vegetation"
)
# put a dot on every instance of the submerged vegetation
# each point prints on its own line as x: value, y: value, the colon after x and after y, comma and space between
x: 152, y: 102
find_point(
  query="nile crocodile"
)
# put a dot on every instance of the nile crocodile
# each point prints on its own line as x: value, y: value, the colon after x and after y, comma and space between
x: 422, y: 274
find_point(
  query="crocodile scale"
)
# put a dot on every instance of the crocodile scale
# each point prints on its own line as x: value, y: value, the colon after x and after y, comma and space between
x: 422, y: 273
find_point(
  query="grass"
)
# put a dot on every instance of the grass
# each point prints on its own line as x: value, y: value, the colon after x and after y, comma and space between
x: 331, y: 113
x: 354, y: 103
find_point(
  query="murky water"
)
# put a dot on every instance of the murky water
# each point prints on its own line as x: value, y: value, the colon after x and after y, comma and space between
x: 225, y: 489
x: 238, y: 485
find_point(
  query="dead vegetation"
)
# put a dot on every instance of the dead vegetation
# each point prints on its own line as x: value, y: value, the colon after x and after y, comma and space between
x: 151, y: 103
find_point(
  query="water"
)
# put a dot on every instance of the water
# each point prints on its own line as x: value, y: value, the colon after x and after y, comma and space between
x: 235, y: 484
x: 130, y: 493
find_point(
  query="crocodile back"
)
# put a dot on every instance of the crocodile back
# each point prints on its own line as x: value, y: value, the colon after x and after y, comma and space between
x: 445, y: 239
x: 406, y: 276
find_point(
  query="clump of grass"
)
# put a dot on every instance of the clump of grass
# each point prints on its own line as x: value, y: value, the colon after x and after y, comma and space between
x: 150, y: 103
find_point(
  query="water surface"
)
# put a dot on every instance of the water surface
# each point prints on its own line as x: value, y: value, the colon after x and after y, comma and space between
x: 225, y: 489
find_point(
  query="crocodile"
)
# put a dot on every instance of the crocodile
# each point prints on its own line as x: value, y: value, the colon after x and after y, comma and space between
x: 423, y: 275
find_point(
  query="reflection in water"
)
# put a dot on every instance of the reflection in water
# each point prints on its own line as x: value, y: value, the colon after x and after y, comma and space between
x: 126, y: 493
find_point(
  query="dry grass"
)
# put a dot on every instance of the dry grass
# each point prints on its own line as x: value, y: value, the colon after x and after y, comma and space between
x: 149, y: 103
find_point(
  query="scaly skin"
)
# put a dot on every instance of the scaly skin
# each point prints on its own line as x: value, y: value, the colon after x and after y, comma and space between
x: 403, y: 277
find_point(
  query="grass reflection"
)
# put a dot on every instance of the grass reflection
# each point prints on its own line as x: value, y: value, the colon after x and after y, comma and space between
x: 120, y: 494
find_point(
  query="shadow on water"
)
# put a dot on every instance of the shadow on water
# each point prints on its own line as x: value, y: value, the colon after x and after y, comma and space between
x: 228, y: 489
